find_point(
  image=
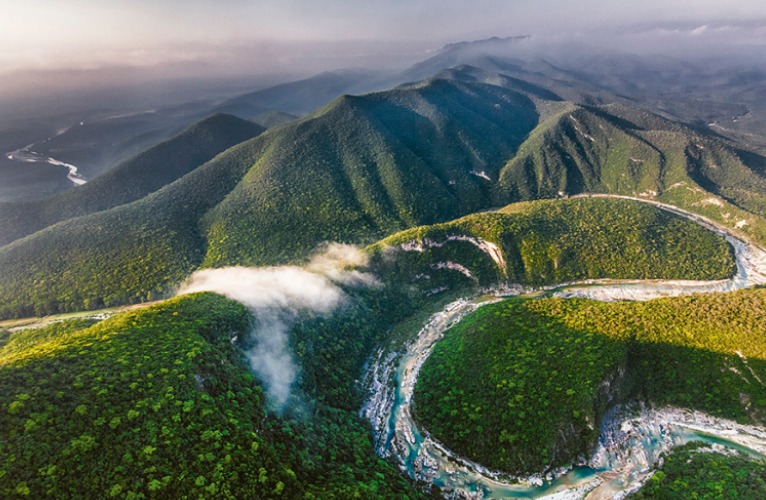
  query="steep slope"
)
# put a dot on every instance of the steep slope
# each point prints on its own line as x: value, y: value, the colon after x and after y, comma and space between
x: 367, y: 166
x: 131, y: 180
x: 707, y: 472
x: 583, y: 149
x: 123, y: 255
x: 553, y: 241
x: 725, y: 96
x: 617, y: 149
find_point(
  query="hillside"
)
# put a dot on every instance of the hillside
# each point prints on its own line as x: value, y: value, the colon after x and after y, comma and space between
x: 707, y: 472
x: 127, y: 254
x: 130, y: 180
x: 721, y: 96
x: 553, y: 241
x: 538, y: 374
x: 368, y: 166
x: 160, y: 402
x: 622, y: 150
x: 303, y: 253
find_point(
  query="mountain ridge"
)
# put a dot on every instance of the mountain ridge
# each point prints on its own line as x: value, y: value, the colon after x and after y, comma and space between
x: 131, y: 180
x: 367, y: 166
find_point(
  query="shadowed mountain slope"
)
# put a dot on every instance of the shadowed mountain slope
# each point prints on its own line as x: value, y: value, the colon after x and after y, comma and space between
x: 132, y: 179
x: 622, y: 150
x: 367, y: 166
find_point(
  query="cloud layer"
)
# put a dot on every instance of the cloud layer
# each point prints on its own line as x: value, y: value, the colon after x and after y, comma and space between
x: 270, y: 35
x: 277, y: 297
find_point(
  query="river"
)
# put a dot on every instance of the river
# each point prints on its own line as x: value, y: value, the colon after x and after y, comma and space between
x: 631, y: 437
x: 26, y: 155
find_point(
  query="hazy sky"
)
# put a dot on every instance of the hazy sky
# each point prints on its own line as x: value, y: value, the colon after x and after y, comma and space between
x: 43, y: 34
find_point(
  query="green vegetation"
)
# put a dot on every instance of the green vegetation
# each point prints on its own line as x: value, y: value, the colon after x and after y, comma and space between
x: 363, y: 168
x: 345, y: 174
x: 542, y: 243
x: 132, y: 179
x: 622, y: 150
x: 548, y: 242
x: 158, y: 402
x: 515, y: 390
x: 128, y: 254
x: 19, y: 344
x: 538, y: 374
x: 692, y: 471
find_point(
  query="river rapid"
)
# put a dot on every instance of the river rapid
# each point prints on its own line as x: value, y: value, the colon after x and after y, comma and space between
x: 631, y: 438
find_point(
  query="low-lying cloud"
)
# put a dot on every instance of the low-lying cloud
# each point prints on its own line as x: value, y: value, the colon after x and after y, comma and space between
x: 277, y: 297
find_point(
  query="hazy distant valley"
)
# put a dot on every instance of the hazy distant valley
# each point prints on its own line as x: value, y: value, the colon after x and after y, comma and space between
x: 493, y: 273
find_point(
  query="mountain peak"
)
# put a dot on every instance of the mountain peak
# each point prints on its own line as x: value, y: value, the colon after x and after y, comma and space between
x: 492, y: 54
x: 495, y: 40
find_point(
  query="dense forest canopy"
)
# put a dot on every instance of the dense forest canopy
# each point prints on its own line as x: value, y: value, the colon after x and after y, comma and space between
x: 539, y: 374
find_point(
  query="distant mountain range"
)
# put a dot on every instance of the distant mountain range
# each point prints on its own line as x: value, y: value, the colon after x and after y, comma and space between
x: 463, y: 140
x: 301, y: 97
x: 722, y: 98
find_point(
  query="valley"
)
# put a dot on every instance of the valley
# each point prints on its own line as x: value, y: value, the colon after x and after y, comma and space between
x: 631, y: 438
x: 513, y: 267
x: 393, y: 378
x: 376, y: 408
x: 26, y: 155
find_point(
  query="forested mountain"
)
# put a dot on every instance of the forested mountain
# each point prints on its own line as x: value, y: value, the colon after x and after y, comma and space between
x: 721, y: 96
x: 357, y: 170
x: 126, y: 254
x: 132, y: 179
x: 618, y: 149
x: 367, y: 166
x: 161, y: 402
x: 166, y: 394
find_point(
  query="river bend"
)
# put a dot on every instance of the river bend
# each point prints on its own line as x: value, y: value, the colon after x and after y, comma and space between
x: 631, y: 437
